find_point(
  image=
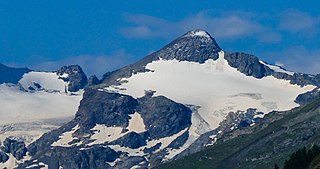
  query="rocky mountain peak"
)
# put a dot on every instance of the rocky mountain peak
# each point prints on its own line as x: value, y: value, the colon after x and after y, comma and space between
x: 199, y: 33
x: 194, y: 46
x: 11, y: 75
x: 75, y: 76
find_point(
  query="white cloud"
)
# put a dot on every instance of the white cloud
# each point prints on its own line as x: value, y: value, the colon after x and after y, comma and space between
x: 299, y: 59
x: 90, y: 64
x: 299, y: 22
x: 227, y: 26
x: 137, y: 32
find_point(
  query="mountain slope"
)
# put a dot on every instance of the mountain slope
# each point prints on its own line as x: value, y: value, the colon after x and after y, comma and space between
x: 11, y: 75
x: 270, y: 142
x: 173, y: 102
x: 36, y: 102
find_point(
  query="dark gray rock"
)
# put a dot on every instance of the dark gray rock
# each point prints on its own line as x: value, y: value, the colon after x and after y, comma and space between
x: 178, y: 142
x: 3, y: 157
x: 250, y: 66
x: 132, y: 140
x: 129, y: 162
x: 93, y: 80
x: 162, y: 116
x: 308, y: 97
x: 305, y: 79
x: 15, y: 147
x: 43, y: 144
x: 71, y: 157
x: 100, y: 107
x: 77, y: 78
x: 247, y: 64
x: 11, y: 75
x: 153, y: 148
x: 191, y: 48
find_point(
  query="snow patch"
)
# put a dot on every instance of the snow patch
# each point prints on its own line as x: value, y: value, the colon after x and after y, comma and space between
x: 201, y: 33
x: 259, y: 115
x: 171, y: 153
x: 136, y: 123
x: 66, y: 138
x: 64, y: 75
x: 103, y: 134
x: 165, y: 142
x: 277, y: 68
x: 10, y: 163
x: 112, y: 164
x: 135, y: 167
x: 41, y: 164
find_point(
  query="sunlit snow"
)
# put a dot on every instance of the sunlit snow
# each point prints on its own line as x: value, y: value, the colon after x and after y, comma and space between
x: 47, y: 80
x: 197, y: 33
x: 136, y: 123
x: 19, y: 106
x: 66, y: 138
x: 214, y: 86
x: 277, y: 68
x: 104, y: 134
x: 22, y: 109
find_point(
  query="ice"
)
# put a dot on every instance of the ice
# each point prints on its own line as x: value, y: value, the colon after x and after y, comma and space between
x: 277, y: 68
x: 214, y: 86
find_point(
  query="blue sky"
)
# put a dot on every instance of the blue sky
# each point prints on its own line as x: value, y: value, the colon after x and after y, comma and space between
x: 104, y: 35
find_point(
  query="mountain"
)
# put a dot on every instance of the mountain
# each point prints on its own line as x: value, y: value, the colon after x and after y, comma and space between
x: 11, y: 75
x: 35, y: 102
x: 172, y: 103
x: 270, y: 142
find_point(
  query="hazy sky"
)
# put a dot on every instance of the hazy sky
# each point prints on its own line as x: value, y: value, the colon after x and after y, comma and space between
x: 105, y: 35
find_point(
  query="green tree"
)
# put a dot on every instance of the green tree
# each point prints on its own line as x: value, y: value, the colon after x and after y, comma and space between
x: 302, y: 158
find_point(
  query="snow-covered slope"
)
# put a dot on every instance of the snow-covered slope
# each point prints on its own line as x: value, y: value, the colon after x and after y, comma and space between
x: 20, y: 106
x: 47, y: 80
x: 214, y: 86
x: 38, y: 103
x: 278, y: 69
